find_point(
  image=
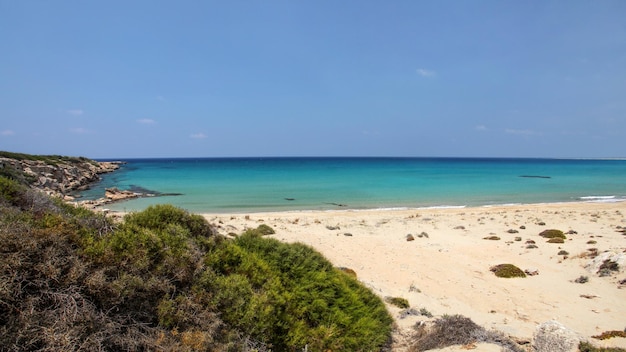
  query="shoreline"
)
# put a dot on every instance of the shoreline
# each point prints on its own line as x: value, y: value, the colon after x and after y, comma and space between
x: 586, y: 200
x: 446, y: 271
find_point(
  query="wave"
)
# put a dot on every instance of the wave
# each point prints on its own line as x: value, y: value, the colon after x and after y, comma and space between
x: 602, y: 199
x: 444, y: 207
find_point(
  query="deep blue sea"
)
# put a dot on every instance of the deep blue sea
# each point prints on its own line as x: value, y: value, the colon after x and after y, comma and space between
x: 240, y: 185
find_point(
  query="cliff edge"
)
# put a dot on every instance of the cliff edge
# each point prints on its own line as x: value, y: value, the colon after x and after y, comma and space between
x: 53, y: 174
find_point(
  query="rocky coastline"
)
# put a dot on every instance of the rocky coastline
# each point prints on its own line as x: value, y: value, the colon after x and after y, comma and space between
x: 58, y: 176
x: 64, y: 177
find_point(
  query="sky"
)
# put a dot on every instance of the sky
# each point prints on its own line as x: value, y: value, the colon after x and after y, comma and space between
x: 131, y: 79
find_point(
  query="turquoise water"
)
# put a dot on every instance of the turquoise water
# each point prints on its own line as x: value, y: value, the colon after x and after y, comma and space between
x: 282, y: 184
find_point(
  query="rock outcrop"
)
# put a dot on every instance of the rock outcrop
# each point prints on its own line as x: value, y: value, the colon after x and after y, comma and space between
x: 552, y: 336
x: 59, y: 176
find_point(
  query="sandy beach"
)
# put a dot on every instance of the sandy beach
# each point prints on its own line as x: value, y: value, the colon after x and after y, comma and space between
x: 445, y: 269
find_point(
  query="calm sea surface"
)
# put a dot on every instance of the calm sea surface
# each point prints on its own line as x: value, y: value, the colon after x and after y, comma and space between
x: 286, y: 184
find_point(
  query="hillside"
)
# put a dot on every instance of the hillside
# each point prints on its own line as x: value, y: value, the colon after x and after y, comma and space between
x: 54, y: 174
x: 163, y: 279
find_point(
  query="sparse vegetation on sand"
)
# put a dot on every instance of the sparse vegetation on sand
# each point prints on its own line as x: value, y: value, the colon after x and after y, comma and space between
x: 552, y: 234
x: 610, y: 334
x: 456, y: 330
x: 507, y: 271
x: 162, y: 279
x: 398, y: 302
x: 587, y: 347
x: 492, y: 238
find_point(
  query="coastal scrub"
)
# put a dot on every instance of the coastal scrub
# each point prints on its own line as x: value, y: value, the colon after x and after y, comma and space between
x: 163, y: 279
x: 507, y: 271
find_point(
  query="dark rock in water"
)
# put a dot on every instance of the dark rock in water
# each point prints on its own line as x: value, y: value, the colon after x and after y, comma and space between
x: 338, y: 204
x: 144, y: 192
x: 535, y: 176
x: 290, y: 199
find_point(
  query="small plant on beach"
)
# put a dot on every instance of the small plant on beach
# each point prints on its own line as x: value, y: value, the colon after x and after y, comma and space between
x: 556, y: 240
x: 426, y: 313
x: 552, y: 234
x: 587, y: 347
x: 492, y: 238
x: 563, y: 252
x: 608, y: 267
x: 582, y: 279
x: 592, y: 242
x: 398, y: 302
x: 456, y: 330
x: 261, y: 230
x: 507, y: 271
x: 610, y: 334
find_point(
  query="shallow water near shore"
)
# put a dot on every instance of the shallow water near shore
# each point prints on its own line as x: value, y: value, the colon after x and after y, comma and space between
x: 289, y: 184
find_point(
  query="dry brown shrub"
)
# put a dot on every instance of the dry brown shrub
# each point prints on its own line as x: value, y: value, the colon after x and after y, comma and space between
x: 457, y: 330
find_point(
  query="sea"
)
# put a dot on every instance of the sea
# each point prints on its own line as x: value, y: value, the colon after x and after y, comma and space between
x: 244, y: 185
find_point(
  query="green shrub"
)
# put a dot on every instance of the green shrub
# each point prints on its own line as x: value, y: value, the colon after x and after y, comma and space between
x: 161, y: 280
x: 159, y: 217
x: 552, y: 234
x: 399, y: 302
x: 11, y: 191
x: 610, y: 334
x: 587, y: 347
x: 261, y: 230
x: 507, y: 271
x: 556, y: 240
x: 289, y: 296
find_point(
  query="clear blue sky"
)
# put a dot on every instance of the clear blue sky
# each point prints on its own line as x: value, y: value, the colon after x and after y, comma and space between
x: 117, y: 79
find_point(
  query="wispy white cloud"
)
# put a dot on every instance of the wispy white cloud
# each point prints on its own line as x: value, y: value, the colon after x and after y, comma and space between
x: 146, y: 121
x: 79, y: 130
x: 198, y: 136
x: 519, y: 132
x: 426, y: 73
x: 480, y: 128
x: 7, y: 133
x: 75, y: 112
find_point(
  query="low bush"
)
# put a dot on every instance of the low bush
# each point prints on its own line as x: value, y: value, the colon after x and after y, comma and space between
x: 556, y: 240
x: 399, y: 302
x: 582, y: 279
x: 507, y: 271
x: 261, y: 230
x: 456, y: 330
x: 552, y: 234
x: 610, y: 334
x: 587, y: 347
x: 163, y: 280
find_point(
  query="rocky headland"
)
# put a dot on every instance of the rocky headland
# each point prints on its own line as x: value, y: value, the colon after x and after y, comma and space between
x: 55, y: 175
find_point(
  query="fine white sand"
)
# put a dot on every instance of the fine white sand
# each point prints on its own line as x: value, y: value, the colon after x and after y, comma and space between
x: 447, y: 271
